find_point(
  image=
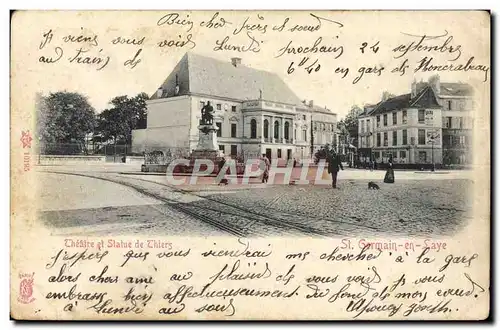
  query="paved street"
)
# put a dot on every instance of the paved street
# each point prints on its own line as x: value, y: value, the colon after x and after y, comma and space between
x: 101, y: 200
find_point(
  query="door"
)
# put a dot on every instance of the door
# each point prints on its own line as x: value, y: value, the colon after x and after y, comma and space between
x: 268, y: 153
x: 234, y: 150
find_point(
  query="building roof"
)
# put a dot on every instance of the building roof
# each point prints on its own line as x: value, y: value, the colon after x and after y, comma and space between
x: 424, y: 99
x: 455, y: 89
x: 318, y: 109
x: 197, y: 74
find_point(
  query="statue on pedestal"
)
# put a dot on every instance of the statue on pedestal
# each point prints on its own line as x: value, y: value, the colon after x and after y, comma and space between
x: 207, y: 114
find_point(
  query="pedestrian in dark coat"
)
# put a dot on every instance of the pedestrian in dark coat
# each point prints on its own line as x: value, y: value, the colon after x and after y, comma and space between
x: 389, y: 175
x: 334, y: 166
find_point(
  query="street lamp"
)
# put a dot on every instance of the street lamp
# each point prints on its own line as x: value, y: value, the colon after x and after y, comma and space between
x: 432, y: 140
x: 39, y: 149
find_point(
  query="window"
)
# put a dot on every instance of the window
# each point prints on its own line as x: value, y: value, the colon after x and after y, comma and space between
x: 362, y: 126
x: 304, y: 134
x: 449, y: 104
x: 368, y: 125
x: 287, y: 129
x: 421, y: 136
x: 219, y: 106
x: 394, y: 118
x: 233, y: 108
x: 233, y: 130
x: 234, y: 150
x: 219, y: 129
x: 303, y: 117
x: 266, y: 129
x: 402, y: 154
x: 405, y: 137
x: 461, y: 122
x: 221, y: 148
x: 421, y: 116
x: 386, y: 143
x: 253, y: 129
x: 462, y: 140
x: 385, y: 120
x: 422, y: 156
x: 447, y: 122
x: 405, y: 117
x: 276, y: 129
x: 295, y: 134
x: 377, y: 154
x: 378, y: 121
x: 378, y: 139
x: 394, y: 138
x: 279, y: 153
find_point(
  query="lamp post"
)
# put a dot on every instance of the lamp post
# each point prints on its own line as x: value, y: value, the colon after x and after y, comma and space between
x: 432, y: 140
x: 312, y: 138
x: 432, y: 157
x: 39, y: 149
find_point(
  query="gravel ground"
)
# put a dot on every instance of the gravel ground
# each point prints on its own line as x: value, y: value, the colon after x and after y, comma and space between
x: 406, y: 208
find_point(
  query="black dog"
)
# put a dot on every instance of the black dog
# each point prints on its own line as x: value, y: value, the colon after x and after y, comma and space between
x: 223, y: 181
x: 373, y: 185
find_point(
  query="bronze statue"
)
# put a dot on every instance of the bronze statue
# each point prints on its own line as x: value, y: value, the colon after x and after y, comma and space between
x: 207, y: 117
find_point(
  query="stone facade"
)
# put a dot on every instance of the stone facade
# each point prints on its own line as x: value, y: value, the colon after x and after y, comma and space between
x: 416, y: 128
x: 274, y: 122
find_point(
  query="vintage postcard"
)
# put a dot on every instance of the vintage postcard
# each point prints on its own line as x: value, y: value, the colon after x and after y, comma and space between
x: 250, y: 165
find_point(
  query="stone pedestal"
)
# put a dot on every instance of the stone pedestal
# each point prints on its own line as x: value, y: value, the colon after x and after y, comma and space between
x: 207, y: 147
x: 207, y: 140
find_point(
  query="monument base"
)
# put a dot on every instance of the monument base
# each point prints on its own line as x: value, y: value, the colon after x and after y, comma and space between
x: 207, y: 140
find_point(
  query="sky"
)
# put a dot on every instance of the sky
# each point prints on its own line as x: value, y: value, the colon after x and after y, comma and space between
x: 324, y: 85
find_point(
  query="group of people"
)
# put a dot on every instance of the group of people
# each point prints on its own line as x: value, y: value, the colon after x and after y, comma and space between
x: 334, y: 166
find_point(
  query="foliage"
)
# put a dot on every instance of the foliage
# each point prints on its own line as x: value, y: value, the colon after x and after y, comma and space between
x: 126, y: 114
x: 348, y: 127
x: 65, y: 117
x: 322, y: 153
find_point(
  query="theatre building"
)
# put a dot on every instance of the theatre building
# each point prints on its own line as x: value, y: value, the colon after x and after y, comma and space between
x: 431, y: 124
x: 255, y: 112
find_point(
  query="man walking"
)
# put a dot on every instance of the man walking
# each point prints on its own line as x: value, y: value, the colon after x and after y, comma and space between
x: 334, y: 166
x: 265, y: 166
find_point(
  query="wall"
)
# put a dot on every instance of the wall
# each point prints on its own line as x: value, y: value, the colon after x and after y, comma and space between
x: 323, y: 135
x: 225, y: 116
x: 71, y: 160
x: 168, y: 124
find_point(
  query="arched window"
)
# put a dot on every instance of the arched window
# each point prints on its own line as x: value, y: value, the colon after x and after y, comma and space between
x: 287, y: 128
x: 253, y: 129
x: 276, y: 129
x: 266, y: 128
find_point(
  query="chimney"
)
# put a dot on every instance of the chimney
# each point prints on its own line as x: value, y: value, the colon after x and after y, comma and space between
x: 435, y: 83
x: 159, y: 92
x: 311, y: 103
x: 413, y: 88
x: 236, y: 61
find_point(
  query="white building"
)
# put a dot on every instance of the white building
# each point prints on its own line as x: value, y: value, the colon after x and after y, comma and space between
x: 256, y: 112
x: 431, y: 124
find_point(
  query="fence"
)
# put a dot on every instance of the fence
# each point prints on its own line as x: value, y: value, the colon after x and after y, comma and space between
x: 111, y: 152
x: 161, y: 155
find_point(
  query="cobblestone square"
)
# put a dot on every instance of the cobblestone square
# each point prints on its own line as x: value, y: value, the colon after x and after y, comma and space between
x: 417, y: 205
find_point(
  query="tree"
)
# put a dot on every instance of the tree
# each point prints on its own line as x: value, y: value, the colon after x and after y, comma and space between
x: 387, y: 95
x: 64, y: 118
x: 126, y: 114
x: 348, y: 127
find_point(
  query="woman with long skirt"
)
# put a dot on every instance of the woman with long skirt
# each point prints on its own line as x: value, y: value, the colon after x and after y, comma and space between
x: 389, y: 175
